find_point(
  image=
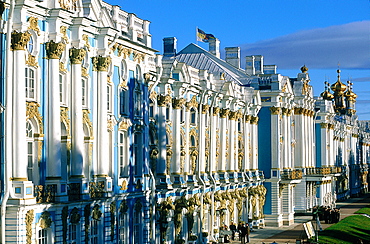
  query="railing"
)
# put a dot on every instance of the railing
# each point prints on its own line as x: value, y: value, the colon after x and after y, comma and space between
x: 74, y: 191
x: 324, y: 170
x: 291, y: 174
x: 97, y: 189
x: 45, y: 194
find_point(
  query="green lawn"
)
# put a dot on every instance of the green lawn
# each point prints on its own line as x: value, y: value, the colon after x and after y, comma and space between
x: 364, y: 210
x: 349, y: 230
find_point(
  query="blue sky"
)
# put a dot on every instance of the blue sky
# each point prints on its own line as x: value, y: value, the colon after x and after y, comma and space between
x: 288, y: 33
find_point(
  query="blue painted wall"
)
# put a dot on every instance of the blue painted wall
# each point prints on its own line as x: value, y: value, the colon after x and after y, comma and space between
x: 264, y: 141
x: 318, y: 145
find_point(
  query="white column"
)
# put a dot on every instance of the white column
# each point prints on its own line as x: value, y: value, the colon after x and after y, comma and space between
x: 231, y: 164
x: 223, y: 127
x: 176, y: 123
x: 101, y: 65
x: 53, y: 167
x: 213, y: 139
x: 247, y: 142
x: 23, y: 189
x: 162, y: 102
x: 254, y: 130
x: 19, y: 116
x: 202, y: 137
x: 77, y: 132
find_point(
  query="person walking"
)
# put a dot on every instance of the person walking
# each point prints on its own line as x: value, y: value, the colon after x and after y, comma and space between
x: 244, y: 234
x: 233, y: 230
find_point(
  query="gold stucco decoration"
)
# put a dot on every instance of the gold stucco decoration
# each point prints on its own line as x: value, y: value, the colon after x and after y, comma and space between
x: 96, y: 212
x: 29, y: 220
x: 84, y: 72
x: 45, y: 220
x: 68, y: 4
x: 77, y: 55
x: 34, y: 24
x: 87, y: 43
x: 19, y: 40
x: 124, y: 124
x: 126, y: 52
x: 101, y: 64
x: 32, y: 111
x: 205, y: 108
x: 216, y: 111
x: 192, y: 103
x: 178, y: 103
x: 54, y: 50
x: 153, y: 95
x: 163, y: 100
x: 275, y: 110
x: 32, y: 61
x: 65, y: 119
x: 138, y: 56
x: 86, y: 120
x: 63, y: 31
x: 224, y: 112
x: 62, y: 68
x: 124, y: 185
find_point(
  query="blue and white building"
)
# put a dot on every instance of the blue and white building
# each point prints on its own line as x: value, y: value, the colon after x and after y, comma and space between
x: 102, y: 140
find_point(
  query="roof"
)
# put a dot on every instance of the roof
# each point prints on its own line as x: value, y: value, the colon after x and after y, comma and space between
x: 197, y: 57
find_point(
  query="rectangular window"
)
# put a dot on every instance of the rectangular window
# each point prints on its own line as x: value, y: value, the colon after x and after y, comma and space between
x: 122, y: 102
x: 84, y: 92
x: 137, y: 226
x: 121, y: 151
x: 30, y: 160
x: 42, y: 236
x: 109, y: 97
x: 137, y: 154
x: 73, y: 234
x: 94, y: 232
x: 122, y: 228
x: 61, y: 90
x: 30, y: 83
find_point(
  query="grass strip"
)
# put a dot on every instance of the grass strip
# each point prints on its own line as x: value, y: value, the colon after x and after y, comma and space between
x: 349, y: 230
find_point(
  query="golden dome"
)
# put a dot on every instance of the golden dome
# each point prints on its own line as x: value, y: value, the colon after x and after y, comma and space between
x: 338, y: 87
x: 349, y: 93
x: 327, y: 95
x: 304, y: 69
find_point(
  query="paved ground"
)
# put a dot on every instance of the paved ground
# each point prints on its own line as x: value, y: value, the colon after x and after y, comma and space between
x: 289, y: 234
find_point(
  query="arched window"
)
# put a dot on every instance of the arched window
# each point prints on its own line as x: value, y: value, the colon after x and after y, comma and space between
x: 30, y: 150
x: 138, y: 93
x: 137, y: 222
x: 193, y: 116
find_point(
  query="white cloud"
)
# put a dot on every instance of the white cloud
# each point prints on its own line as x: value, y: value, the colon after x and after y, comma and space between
x: 321, y: 48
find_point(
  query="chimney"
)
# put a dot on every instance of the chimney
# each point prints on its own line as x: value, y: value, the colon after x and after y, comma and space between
x: 249, y: 65
x: 233, y: 56
x: 254, y: 64
x: 214, y: 47
x: 169, y: 46
x: 258, y: 64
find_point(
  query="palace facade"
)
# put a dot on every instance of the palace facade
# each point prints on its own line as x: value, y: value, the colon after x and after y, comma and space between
x: 102, y: 140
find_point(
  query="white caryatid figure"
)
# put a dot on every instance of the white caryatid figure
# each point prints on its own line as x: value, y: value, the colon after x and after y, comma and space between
x: 23, y: 189
x: 53, y: 137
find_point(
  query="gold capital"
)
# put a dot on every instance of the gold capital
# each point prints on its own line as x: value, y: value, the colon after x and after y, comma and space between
x: 163, y: 100
x: 54, y: 50
x: 101, y: 63
x: 178, y: 103
x: 224, y: 112
x: 20, y: 40
x: 76, y: 55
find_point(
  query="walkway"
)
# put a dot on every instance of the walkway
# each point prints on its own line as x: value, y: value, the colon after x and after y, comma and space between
x: 289, y: 234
